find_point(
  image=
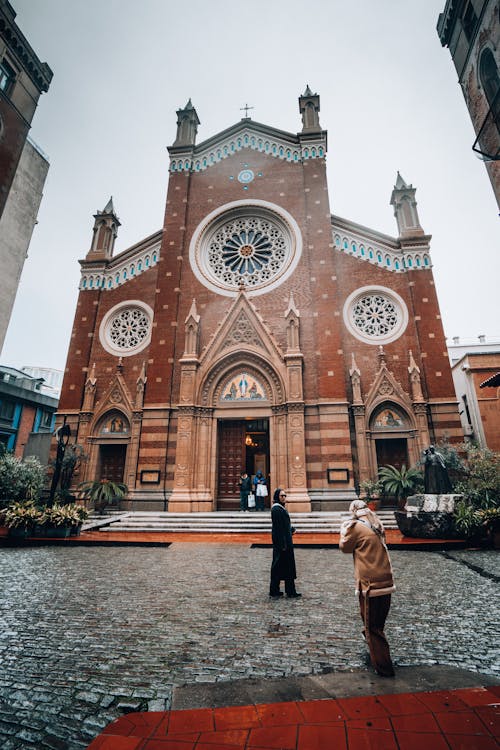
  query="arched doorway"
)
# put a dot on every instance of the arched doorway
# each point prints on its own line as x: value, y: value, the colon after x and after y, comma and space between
x: 243, y: 445
x: 110, y: 440
x: 242, y: 435
x: 390, y: 427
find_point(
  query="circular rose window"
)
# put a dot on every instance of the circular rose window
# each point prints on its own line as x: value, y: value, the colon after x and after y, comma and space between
x: 255, y: 244
x: 375, y: 315
x: 126, y: 328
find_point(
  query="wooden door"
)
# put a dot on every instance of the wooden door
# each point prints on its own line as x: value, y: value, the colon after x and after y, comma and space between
x: 232, y: 458
x: 392, y: 452
x: 112, y: 462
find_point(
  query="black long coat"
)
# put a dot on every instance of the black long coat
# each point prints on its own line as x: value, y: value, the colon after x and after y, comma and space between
x: 283, y: 565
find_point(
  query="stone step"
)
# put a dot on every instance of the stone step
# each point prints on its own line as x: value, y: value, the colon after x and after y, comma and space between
x: 224, y: 522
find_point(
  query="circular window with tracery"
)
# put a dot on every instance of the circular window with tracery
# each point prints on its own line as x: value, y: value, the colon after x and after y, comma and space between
x: 255, y: 244
x: 375, y: 315
x: 126, y: 328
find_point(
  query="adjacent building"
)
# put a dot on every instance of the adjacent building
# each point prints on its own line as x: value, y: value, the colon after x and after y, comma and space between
x: 474, y: 364
x: 256, y: 330
x: 471, y: 31
x: 23, y: 166
x: 27, y: 415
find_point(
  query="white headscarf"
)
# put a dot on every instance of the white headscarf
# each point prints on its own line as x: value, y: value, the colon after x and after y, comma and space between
x: 360, y: 511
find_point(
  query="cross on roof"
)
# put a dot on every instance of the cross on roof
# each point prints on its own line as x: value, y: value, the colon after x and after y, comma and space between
x: 246, y: 108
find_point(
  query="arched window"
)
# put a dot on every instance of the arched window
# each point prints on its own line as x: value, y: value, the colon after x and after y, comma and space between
x: 490, y: 80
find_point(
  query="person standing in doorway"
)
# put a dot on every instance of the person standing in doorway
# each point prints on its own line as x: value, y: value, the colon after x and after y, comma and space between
x: 259, y: 481
x: 245, y: 488
x: 283, y: 565
x: 364, y: 536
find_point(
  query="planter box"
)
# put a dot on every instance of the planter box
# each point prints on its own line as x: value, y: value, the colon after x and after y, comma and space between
x: 19, y: 532
x: 57, y: 532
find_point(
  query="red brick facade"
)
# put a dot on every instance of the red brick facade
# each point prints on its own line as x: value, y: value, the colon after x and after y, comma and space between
x: 318, y: 383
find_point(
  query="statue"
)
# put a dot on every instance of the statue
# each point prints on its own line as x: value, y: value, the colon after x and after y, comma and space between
x: 63, y: 435
x: 436, y: 479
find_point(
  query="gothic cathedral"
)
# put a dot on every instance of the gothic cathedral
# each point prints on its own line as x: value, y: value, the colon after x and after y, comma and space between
x: 256, y: 330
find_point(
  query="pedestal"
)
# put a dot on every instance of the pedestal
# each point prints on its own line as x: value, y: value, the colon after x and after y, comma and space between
x: 428, y: 516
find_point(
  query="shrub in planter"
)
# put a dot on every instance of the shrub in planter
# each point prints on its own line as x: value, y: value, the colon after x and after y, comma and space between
x: 20, y: 518
x: 57, y: 520
x: 371, y: 489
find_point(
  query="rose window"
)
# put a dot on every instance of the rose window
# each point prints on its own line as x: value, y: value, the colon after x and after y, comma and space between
x: 254, y: 244
x: 126, y: 328
x: 375, y: 315
x: 129, y: 328
x: 248, y: 250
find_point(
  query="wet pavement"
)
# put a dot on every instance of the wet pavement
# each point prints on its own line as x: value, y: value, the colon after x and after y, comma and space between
x: 89, y: 634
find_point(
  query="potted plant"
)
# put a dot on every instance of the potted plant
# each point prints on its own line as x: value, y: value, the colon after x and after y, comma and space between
x: 57, y: 521
x: 79, y: 514
x: 20, y: 519
x: 102, y: 492
x: 371, y: 489
x: 400, y: 483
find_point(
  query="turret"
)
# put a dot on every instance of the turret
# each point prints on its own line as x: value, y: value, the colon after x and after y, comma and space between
x: 405, y: 209
x: 106, y: 225
x: 187, y: 126
x: 309, y: 109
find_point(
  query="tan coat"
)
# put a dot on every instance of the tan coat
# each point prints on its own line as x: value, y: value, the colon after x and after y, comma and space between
x: 372, y: 564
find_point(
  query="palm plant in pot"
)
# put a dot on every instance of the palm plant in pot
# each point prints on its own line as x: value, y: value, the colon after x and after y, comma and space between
x: 102, y: 492
x: 400, y: 483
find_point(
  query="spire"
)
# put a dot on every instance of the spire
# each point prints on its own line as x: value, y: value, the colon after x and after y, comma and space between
x: 405, y: 209
x: 105, y: 231
x: 109, y: 208
x: 187, y: 126
x: 400, y: 183
x: 291, y: 305
x: 309, y: 109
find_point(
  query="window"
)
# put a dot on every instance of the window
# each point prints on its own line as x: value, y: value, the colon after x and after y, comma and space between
x: 7, y: 410
x: 46, y: 420
x: 469, y: 22
x: 490, y: 81
x: 7, y: 76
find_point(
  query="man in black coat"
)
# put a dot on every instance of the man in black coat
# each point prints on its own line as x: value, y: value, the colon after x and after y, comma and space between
x: 283, y: 565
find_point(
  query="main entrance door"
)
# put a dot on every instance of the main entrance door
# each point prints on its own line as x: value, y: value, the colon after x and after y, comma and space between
x: 112, y: 462
x: 243, y: 445
x: 392, y: 452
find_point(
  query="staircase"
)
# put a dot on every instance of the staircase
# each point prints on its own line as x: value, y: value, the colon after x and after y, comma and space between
x: 224, y: 522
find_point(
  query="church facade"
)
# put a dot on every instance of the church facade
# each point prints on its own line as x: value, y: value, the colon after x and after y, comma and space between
x: 256, y: 330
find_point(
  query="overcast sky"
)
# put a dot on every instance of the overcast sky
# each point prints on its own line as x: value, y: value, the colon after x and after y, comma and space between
x: 389, y: 100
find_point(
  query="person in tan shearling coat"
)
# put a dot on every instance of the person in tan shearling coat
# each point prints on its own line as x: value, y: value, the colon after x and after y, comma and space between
x: 364, y: 536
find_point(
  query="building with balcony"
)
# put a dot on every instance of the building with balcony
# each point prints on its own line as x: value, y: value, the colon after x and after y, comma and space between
x: 471, y: 31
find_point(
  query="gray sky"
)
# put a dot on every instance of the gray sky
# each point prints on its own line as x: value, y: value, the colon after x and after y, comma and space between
x: 389, y: 100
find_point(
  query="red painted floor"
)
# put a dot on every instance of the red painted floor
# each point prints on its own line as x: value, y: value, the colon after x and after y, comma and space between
x: 394, y: 538
x: 467, y: 719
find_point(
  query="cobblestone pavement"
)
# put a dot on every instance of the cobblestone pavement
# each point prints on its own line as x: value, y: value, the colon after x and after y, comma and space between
x: 88, y: 634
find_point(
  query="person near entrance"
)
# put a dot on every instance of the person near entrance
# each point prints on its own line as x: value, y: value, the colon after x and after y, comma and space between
x: 283, y: 565
x: 245, y: 489
x: 259, y: 481
x: 364, y: 536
